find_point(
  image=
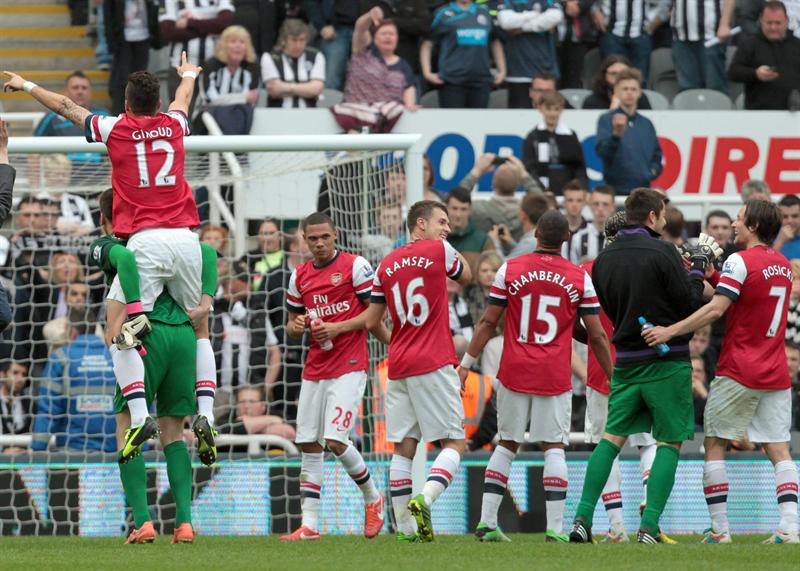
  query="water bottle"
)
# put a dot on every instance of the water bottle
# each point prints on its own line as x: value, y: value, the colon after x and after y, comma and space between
x: 313, y: 315
x: 662, y: 348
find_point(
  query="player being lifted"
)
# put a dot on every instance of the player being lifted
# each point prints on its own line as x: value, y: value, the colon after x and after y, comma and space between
x: 597, y: 391
x: 154, y: 209
x: 751, y: 394
x: 544, y: 295
x: 168, y: 374
x: 422, y: 399
x: 336, y: 285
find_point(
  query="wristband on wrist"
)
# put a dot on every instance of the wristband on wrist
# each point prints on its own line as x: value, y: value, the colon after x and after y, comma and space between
x: 28, y: 86
x: 192, y: 74
x: 134, y: 307
x: 467, y: 361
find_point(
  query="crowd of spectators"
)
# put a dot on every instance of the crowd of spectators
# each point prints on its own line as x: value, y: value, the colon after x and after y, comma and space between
x: 385, y: 54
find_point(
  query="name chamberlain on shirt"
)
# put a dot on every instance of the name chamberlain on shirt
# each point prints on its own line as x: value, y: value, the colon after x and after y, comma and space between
x: 543, y: 276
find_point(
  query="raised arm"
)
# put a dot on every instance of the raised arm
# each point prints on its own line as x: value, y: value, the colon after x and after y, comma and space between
x: 185, y: 92
x: 61, y: 104
x: 361, y: 34
x: 7, y: 174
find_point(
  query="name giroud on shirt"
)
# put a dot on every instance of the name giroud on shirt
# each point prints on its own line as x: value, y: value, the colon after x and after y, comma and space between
x: 140, y: 134
x: 544, y: 276
x: 409, y: 262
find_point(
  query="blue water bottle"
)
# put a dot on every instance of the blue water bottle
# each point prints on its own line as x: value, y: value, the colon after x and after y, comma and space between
x: 662, y: 348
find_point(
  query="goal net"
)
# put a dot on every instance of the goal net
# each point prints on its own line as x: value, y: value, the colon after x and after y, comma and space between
x: 58, y: 470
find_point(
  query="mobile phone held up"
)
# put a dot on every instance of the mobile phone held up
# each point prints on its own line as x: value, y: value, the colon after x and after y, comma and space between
x: 497, y: 161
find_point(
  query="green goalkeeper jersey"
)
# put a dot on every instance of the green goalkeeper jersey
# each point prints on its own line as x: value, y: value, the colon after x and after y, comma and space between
x: 112, y: 257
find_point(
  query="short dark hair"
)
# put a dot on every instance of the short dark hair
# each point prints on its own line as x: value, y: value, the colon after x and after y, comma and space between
x: 604, y: 189
x: 422, y: 209
x: 675, y: 222
x: 83, y: 320
x: 461, y: 194
x: 628, y: 74
x: 641, y: 202
x: 29, y: 199
x: 765, y: 217
x: 545, y: 75
x: 575, y: 184
x: 77, y: 73
x: 718, y: 214
x: 789, y: 200
x: 106, y: 203
x: 534, y: 206
x: 312, y: 220
x: 143, y: 93
x: 552, y: 229
x: 774, y: 5
x: 792, y: 345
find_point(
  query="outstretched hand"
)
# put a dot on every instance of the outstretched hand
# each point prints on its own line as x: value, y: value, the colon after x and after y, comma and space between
x: 14, y: 82
x: 186, y: 66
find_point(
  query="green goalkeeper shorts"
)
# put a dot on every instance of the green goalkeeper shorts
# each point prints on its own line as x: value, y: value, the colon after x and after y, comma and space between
x: 654, y: 397
x: 169, y: 371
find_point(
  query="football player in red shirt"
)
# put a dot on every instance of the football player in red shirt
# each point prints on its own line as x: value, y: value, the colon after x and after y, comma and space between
x: 335, y: 286
x: 544, y: 294
x: 751, y: 394
x: 154, y: 209
x: 423, y: 400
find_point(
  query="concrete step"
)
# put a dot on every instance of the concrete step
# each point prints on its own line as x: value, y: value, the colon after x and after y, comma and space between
x: 22, y: 102
x: 38, y: 36
x: 46, y: 76
x: 47, y: 58
x: 34, y: 15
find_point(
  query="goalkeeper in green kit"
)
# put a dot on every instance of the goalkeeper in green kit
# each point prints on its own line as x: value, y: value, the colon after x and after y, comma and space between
x: 641, y: 276
x: 169, y: 379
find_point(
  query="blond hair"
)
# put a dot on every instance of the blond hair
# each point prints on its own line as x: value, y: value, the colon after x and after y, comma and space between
x: 232, y: 33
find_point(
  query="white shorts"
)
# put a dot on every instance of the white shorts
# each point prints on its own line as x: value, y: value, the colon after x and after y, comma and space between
x: 165, y: 257
x: 546, y: 418
x: 595, y: 421
x: 734, y: 410
x: 425, y: 407
x: 328, y: 409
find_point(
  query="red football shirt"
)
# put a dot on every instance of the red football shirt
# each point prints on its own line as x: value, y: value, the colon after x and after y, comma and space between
x: 147, y: 162
x: 543, y: 294
x: 595, y: 376
x: 759, y: 281
x: 336, y: 291
x: 411, y: 280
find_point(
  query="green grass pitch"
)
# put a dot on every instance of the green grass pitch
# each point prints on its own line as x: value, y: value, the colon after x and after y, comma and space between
x: 334, y: 553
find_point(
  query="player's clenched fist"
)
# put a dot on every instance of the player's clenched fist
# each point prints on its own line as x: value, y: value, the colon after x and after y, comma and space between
x: 297, y: 326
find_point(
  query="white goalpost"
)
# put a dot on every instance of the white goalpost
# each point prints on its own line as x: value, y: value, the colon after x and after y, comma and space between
x: 243, y: 184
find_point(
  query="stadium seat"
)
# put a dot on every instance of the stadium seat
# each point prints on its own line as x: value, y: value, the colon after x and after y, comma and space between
x: 330, y: 97
x: 740, y: 101
x: 498, y: 99
x: 575, y: 96
x: 430, y: 99
x: 702, y: 100
x: 667, y: 85
x: 591, y: 63
x: 660, y: 64
x: 657, y: 101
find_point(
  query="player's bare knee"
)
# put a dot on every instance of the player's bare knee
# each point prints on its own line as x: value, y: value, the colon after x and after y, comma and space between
x: 407, y: 448
x: 336, y: 447
x: 552, y: 445
x: 714, y: 448
x: 459, y: 445
x: 311, y: 447
x: 777, y: 451
x: 509, y: 445
x: 171, y: 429
x: 614, y: 439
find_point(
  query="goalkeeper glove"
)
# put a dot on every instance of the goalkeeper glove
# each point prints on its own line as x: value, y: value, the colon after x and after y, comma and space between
x: 703, y: 254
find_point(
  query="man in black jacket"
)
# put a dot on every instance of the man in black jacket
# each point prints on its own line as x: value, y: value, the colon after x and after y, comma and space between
x: 768, y: 63
x: 640, y: 275
x: 7, y: 176
x: 131, y: 29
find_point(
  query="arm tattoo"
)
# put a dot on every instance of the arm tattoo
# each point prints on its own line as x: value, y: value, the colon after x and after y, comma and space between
x: 71, y: 111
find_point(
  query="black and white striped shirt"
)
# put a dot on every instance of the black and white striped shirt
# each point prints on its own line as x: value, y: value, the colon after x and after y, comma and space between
x: 198, y: 49
x: 586, y: 244
x: 695, y: 20
x: 309, y: 66
x: 219, y: 81
x: 624, y: 18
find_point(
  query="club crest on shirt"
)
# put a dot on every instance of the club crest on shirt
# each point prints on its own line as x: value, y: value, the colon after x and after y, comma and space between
x: 547, y: 258
x: 336, y: 278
